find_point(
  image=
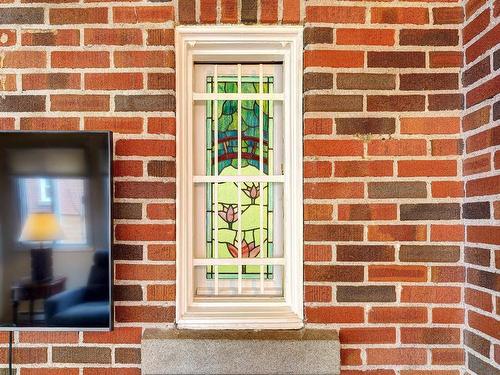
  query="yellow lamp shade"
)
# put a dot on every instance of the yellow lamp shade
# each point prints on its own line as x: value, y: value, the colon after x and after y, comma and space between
x: 40, y: 227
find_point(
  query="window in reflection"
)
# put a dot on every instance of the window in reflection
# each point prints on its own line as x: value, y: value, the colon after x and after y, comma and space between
x: 65, y: 197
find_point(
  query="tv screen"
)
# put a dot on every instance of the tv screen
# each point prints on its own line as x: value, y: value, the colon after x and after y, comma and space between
x: 55, y: 230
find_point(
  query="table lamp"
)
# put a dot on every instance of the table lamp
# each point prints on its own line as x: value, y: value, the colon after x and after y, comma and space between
x: 41, y: 227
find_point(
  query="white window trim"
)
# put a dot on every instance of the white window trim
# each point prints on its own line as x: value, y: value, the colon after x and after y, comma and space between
x: 240, y: 44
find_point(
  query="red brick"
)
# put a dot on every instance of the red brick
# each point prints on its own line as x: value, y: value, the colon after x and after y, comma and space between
x: 484, y: 234
x: 363, y: 168
x: 49, y: 337
x: 268, y: 11
x: 334, y: 314
x: 318, y: 126
x: 476, y: 26
x: 119, y: 335
x: 429, y: 168
x: 448, y: 15
x: 367, y: 335
x: 25, y: 355
x: 445, y: 189
x: 126, y: 125
x: 447, y: 315
x: 472, y: 5
x: 161, y: 125
x: 187, y: 11
x: 397, y: 147
x: 314, y: 169
x: 430, y: 125
x: 397, y: 273
x: 145, y: 232
x: 431, y: 294
x: 6, y: 123
x: 144, y: 59
x: 485, y: 324
x: 448, y: 356
x: 395, y: 103
x: 117, y: 37
x: 208, y: 11
x: 24, y: 59
x: 80, y: 59
x: 351, y: 357
x: 71, y: 103
x: 323, y: 147
x: 446, y: 147
x: 400, y: 356
x: 368, y: 37
x: 431, y: 336
x: 113, y: 81
x: 333, y: 190
x: 397, y: 233
x: 317, y: 253
x: 161, y: 292
x: 143, y: 314
x: 229, y: 11
x: 486, y: 42
x: 397, y: 15
x: 51, y: 81
x: 315, y: 212
x: 483, y: 186
x: 144, y: 272
x: 72, y: 16
x: 483, y: 92
x: 52, y: 37
x: 334, y: 59
x: 143, y: 14
x: 477, y: 164
x: 363, y: 212
x: 113, y: 371
x: 445, y: 59
x: 335, y: 14
x: 397, y: 315
x: 447, y: 274
x: 145, y: 147
x: 161, y: 252
x: 447, y: 233
x: 478, y: 299
x: 8, y: 37
x: 160, y: 211
x: 161, y: 81
x: 50, y: 123
x: 122, y: 168
x: 291, y: 11
x: 333, y: 232
x: 50, y: 371
x: 317, y: 293
x: 160, y: 37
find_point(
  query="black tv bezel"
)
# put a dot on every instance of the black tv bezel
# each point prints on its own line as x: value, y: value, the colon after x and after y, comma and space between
x: 9, y: 327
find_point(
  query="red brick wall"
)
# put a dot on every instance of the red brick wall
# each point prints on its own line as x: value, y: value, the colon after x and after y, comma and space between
x: 481, y: 166
x: 383, y: 183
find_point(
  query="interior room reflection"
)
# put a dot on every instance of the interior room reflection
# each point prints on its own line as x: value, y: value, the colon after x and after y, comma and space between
x: 54, y: 230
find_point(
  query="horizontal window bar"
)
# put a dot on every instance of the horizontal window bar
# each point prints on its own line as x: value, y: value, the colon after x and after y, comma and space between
x: 238, y: 261
x: 214, y: 179
x: 236, y: 96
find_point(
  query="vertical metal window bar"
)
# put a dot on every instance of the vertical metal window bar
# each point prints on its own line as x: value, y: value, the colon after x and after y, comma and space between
x: 240, y: 276
x: 261, y: 170
x: 216, y: 184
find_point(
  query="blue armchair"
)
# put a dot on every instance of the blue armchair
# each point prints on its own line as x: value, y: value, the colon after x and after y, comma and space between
x: 87, y: 306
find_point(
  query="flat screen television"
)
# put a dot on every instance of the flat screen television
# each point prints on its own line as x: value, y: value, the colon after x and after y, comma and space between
x: 55, y: 231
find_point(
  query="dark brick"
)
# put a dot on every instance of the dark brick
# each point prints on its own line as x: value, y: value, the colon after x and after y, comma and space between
x: 428, y: 81
x: 476, y: 255
x: 410, y: 189
x: 477, y: 343
x: 496, y: 59
x: 365, y: 253
x: 333, y: 103
x: 395, y: 103
x: 429, y: 253
x: 480, y: 367
x: 429, y: 37
x: 333, y: 273
x: 62, y: 354
x: 22, y: 103
x: 318, y: 81
x: 248, y: 11
x: 366, y: 293
x: 430, y: 211
x: 476, y: 72
x: 396, y: 59
x: 161, y: 168
x: 145, y: 103
x: 187, y: 11
x: 127, y: 293
x: 496, y: 111
x: 21, y: 16
x: 366, y: 81
x: 485, y: 279
x: 127, y: 252
x: 128, y: 355
x: 161, y: 81
x: 442, y: 102
x: 127, y: 210
x: 367, y: 125
x: 144, y: 189
x: 333, y: 232
x: 314, y: 35
x: 476, y: 210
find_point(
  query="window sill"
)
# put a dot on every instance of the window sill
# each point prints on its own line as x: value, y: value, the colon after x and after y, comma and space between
x: 305, y: 351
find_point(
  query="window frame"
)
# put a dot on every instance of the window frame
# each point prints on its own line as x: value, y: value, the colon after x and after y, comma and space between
x: 233, y: 44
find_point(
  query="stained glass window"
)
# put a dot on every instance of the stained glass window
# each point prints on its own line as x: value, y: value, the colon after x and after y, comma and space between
x: 239, y: 216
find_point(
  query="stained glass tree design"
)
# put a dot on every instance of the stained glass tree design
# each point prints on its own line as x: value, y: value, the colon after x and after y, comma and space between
x: 253, y: 195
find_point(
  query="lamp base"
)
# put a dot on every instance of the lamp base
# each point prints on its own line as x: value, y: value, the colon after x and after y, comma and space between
x: 41, y: 264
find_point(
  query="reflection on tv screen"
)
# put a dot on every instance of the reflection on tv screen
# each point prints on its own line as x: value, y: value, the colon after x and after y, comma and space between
x: 55, y: 230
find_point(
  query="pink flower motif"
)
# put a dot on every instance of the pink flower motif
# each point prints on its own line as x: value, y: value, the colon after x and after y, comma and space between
x: 252, y: 191
x: 229, y: 214
x: 248, y: 250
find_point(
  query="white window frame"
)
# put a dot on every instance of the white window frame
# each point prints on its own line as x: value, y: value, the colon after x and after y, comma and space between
x: 234, y: 44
